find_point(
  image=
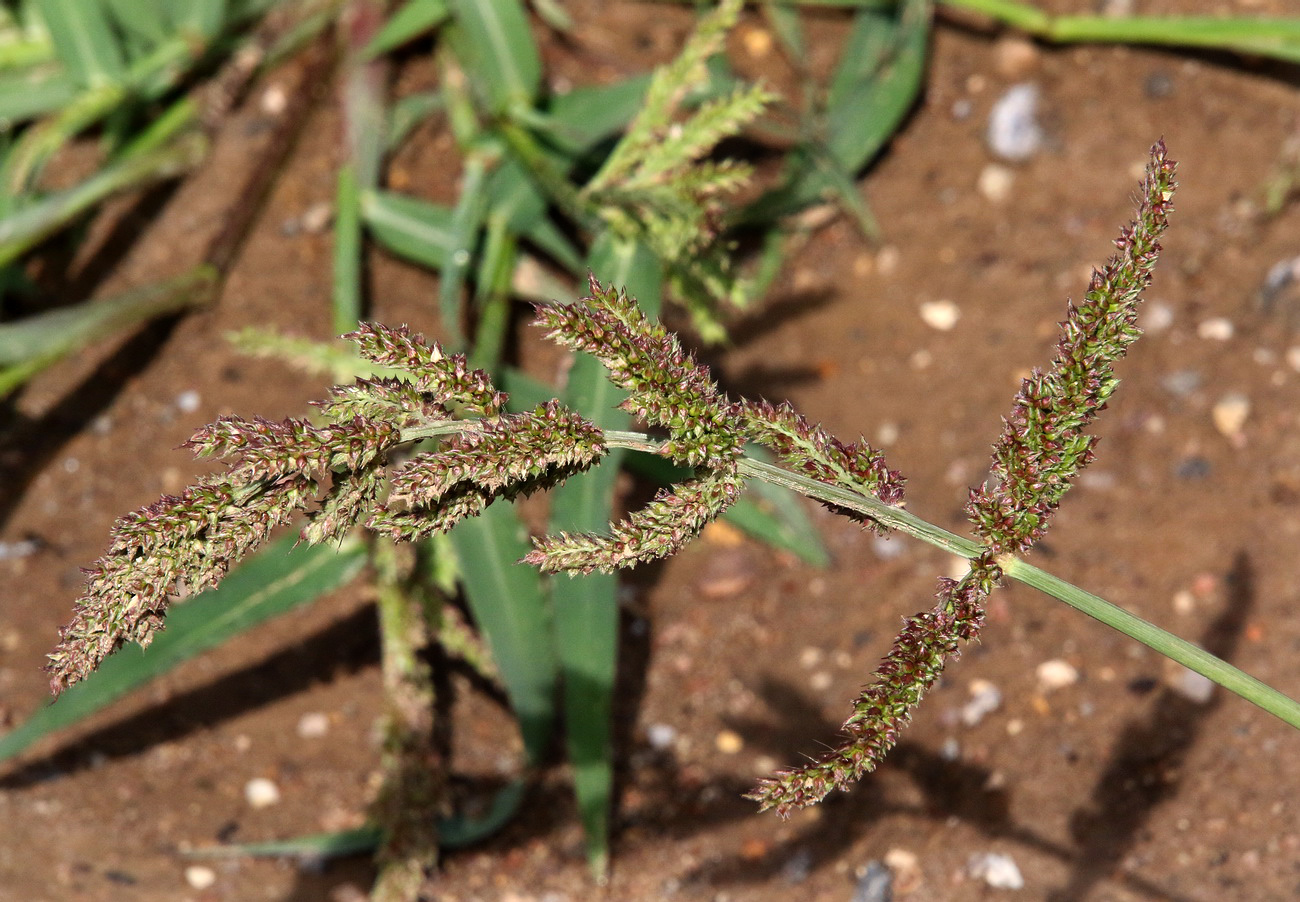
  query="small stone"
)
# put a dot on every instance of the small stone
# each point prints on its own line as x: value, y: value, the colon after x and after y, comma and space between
x: 874, y: 884
x: 1156, y: 317
x: 906, y: 866
x: 1184, y: 602
x: 995, y: 869
x: 1193, y: 468
x: 274, y: 100
x: 1216, y: 328
x: 1230, y: 413
x: 758, y: 42
x: 941, y: 315
x: 1190, y: 685
x: 887, y: 260
x: 661, y: 736
x: 821, y: 681
x: 313, y: 725
x: 985, y: 698
x: 810, y: 656
x: 729, y: 742
x: 317, y: 218
x: 995, y: 182
x: 1015, y: 57
x: 261, y: 792
x: 188, y: 401
x: 1056, y: 674
x: 200, y: 877
x: 1014, y: 133
x: 1181, y: 383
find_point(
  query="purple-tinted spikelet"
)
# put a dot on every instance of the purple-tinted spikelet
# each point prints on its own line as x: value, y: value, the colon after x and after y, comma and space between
x: 502, y: 457
x: 447, y: 378
x: 926, y: 643
x: 1043, y: 445
x: 809, y: 449
x: 661, y: 528
x: 179, y: 543
x: 666, y: 386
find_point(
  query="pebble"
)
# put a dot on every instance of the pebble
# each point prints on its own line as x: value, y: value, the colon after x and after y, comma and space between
x: 1184, y: 602
x: 313, y: 725
x: 941, y: 315
x: 1015, y: 57
x: 985, y: 698
x: 1216, y: 328
x: 1181, y: 383
x: 1056, y: 674
x: 729, y: 742
x: 317, y: 217
x: 661, y: 736
x: 906, y: 866
x: 274, y: 100
x: 188, y: 401
x: 1014, y: 133
x: 1230, y: 413
x: 21, y: 548
x: 1193, y: 467
x: 1191, y: 685
x: 798, y: 866
x: 1293, y: 358
x: 261, y: 792
x: 1157, y: 317
x: 200, y: 877
x: 997, y: 870
x: 875, y: 883
x: 995, y: 182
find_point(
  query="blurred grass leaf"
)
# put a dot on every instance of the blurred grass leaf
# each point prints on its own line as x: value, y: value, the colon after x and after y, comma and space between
x: 494, y: 43
x: 275, y: 581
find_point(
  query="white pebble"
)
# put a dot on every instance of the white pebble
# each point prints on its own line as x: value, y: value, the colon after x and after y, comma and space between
x: 995, y: 181
x: 1293, y: 358
x: 941, y: 315
x: 200, y: 877
x: 313, y: 725
x: 261, y: 792
x: 1230, y: 413
x: 317, y: 217
x: 1157, y: 317
x: 187, y: 401
x: 985, y: 698
x: 1056, y: 674
x: 1184, y: 602
x: 1192, y: 686
x: 1216, y: 328
x: 821, y: 681
x: 275, y: 100
x: 997, y: 870
x: 661, y: 736
x: 1014, y: 133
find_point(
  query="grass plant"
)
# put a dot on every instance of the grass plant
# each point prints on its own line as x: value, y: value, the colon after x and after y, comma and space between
x: 620, y: 180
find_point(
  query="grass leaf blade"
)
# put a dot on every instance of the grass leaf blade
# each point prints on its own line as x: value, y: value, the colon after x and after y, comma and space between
x: 277, y: 580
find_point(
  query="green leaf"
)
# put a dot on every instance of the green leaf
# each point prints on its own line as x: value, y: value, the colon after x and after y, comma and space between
x: 586, y: 608
x: 204, y: 17
x: 275, y: 581
x: 84, y: 40
x: 876, y: 82
x: 411, y: 228
x: 455, y: 832
x: 509, y: 607
x: 347, y: 299
x: 415, y: 19
x: 29, y: 93
x: 29, y: 345
x: 581, y: 118
x: 494, y: 43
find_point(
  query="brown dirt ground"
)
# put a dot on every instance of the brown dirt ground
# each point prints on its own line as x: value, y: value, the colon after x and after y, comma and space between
x: 1113, y: 788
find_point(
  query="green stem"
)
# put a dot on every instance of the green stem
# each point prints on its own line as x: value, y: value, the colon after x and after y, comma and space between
x: 1179, y: 650
x: 1279, y: 38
